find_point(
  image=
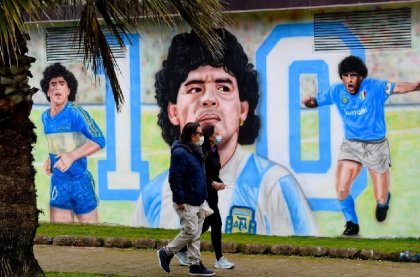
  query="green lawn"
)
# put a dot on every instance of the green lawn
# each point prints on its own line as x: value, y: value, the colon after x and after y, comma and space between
x: 389, y: 245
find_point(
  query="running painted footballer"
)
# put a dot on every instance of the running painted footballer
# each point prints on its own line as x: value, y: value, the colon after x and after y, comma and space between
x: 361, y: 104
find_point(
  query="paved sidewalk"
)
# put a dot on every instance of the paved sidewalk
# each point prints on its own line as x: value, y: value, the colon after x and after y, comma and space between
x: 140, y: 262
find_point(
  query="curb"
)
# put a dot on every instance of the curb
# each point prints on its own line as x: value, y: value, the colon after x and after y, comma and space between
x: 231, y: 247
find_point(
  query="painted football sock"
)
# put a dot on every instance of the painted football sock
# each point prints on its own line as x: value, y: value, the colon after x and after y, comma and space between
x: 386, y: 205
x: 348, y: 209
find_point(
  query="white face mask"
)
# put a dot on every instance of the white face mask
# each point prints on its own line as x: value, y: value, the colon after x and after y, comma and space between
x: 200, y: 141
x: 218, y: 139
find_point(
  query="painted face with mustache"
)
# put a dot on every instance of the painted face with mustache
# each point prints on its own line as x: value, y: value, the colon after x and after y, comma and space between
x: 351, y: 81
x: 210, y: 95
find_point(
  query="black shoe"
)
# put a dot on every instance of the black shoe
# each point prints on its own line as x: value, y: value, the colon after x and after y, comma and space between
x: 164, y: 260
x: 351, y: 229
x: 382, y: 210
x: 200, y: 270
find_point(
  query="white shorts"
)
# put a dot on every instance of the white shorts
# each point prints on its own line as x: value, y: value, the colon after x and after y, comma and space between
x: 374, y: 155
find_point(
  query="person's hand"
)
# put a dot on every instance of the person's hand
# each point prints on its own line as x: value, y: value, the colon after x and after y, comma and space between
x: 218, y: 185
x: 309, y: 101
x: 47, y: 166
x: 64, y: 162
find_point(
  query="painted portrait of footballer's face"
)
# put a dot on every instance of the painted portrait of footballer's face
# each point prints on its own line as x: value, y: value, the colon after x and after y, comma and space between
x: 195, y: 86
x: 352, y: 81
x: 58, y: 91
x: 210, y: 95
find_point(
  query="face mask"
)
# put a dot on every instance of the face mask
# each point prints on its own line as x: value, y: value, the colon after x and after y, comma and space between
x: 201, y: 141
x: 218, y: 139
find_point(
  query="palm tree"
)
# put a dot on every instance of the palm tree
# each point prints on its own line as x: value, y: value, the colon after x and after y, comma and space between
x: 18, y: 210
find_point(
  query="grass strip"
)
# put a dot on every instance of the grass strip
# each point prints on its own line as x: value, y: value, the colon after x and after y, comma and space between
x: 387, y: 245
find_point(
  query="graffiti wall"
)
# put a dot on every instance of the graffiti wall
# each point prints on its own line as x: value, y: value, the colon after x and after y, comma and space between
x: 281, y: 181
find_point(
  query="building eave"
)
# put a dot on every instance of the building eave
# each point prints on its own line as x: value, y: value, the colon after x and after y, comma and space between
x: 267, y: 5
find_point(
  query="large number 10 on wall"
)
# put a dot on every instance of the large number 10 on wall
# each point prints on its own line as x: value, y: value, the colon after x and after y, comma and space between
x: 284, y: 57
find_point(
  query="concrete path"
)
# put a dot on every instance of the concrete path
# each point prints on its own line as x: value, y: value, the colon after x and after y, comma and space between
x: 139, y: 262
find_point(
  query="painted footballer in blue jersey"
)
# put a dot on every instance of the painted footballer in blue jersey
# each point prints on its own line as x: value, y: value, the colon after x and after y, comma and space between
x: 361, y: 104
x: 67, y: 131
x: 70, y: 129
x: 363, y: 113
x: 261, y: 198
x: 72, y: 135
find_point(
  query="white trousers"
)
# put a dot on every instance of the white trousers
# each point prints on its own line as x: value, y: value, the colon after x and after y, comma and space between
x: 192, y: 219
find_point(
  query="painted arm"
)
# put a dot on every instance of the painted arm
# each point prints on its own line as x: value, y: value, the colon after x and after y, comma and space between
x: 47, y: 166
x: 65, y: 160
x: 404, y: 87
x: 309, y: 101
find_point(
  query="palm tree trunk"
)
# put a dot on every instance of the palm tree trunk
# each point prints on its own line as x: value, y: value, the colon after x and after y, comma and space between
x: 18, y: 210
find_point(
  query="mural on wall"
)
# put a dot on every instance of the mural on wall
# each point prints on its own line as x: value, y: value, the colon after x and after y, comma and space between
x: 72, y: 136
x: 280, y: 174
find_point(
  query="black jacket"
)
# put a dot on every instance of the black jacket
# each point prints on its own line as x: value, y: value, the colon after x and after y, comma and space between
x: 212, y: 174
x: 187, y: 175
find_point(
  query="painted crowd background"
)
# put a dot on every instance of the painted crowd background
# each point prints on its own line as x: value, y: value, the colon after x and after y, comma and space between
x: 281, y: 45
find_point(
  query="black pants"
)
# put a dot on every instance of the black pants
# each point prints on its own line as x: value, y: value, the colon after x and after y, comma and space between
x: 215, y: 222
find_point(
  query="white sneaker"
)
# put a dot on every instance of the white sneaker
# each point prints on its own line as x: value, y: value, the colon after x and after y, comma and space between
x: 224, y: 263
x: 182, y: 258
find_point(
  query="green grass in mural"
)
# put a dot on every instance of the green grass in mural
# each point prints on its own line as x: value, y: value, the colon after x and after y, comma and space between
x: 155, y: 149
x: 309, y: 130
x: 104, y: 231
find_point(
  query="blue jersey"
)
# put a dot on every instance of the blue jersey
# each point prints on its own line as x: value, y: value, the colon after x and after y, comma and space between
x: 363, y: 113
x: 261, y: 198
x: 67, y: 131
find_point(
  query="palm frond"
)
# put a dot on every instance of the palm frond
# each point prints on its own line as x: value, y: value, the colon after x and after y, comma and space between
x: 13, y: 17
x: 120, y: 17
x: 97, y: 52
x: 204, y: 16
x: 126, y: 17
x: 12, y: 26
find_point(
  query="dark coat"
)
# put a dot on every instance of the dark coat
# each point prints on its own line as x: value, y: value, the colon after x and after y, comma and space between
x: 187, y: 175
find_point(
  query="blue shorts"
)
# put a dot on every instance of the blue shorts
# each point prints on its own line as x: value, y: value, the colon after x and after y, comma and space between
x: 76, y: 193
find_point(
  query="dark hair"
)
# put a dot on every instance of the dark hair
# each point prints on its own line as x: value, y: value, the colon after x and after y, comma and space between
x: 188, y: 131
x: 186, y: 53
x: 208, y: 131
x: 58, y: 70
x: 352, y: 63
